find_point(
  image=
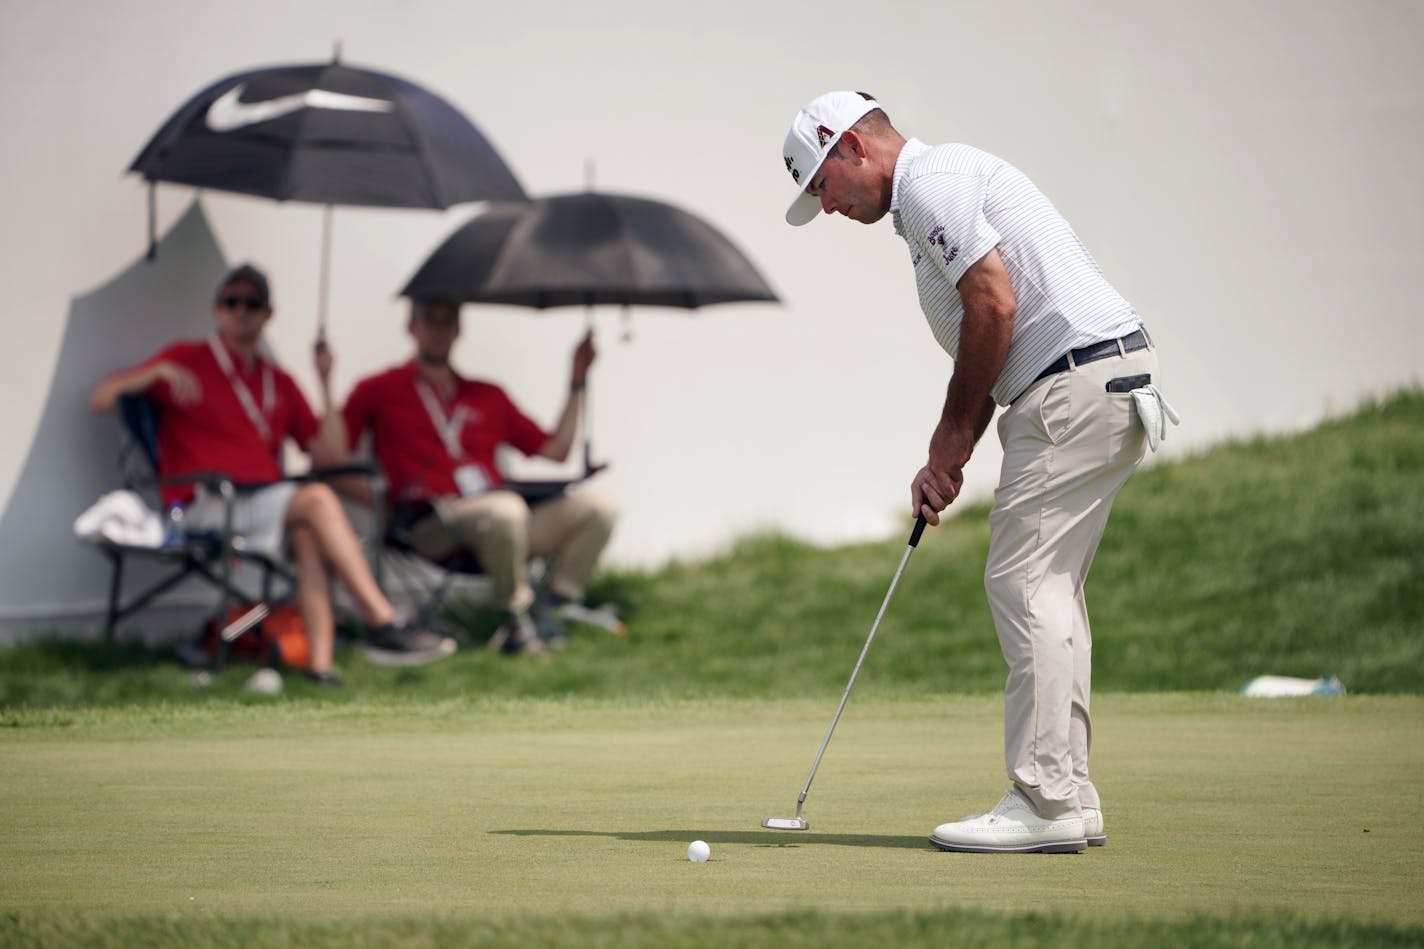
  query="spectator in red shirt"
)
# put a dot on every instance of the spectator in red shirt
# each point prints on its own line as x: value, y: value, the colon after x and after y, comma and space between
x: 225, y: 406
x: 434, y: 434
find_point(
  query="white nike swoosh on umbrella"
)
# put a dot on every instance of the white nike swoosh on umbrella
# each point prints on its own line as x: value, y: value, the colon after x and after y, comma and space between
x: 228, y: 112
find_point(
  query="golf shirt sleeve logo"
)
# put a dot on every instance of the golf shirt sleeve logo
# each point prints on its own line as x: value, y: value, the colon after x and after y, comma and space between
x: 936, y: 239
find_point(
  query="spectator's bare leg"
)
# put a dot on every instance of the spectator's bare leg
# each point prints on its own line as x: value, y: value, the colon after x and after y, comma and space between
x: 313, y: 595
x: 316, y: 508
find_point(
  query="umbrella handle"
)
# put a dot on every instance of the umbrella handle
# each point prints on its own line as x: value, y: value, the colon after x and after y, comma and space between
x: 152, y: 220
x: 325, y: 285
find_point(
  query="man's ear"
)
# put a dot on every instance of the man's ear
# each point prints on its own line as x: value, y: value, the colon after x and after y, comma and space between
x: 853, y: 144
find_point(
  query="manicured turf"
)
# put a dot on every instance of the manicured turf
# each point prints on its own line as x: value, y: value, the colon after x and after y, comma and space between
x: 532, y: 814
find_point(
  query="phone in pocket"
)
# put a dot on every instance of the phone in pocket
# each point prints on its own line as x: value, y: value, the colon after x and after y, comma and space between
x: 1128, y: 383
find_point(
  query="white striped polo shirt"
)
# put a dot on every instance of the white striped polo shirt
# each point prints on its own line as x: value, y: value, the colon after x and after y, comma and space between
x: 953, y: 204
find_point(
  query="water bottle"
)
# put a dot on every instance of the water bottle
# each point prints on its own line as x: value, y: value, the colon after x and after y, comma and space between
x: 174, y: 535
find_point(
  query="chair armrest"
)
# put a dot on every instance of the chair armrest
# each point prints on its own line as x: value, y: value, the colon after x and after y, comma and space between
x: 339, y: 471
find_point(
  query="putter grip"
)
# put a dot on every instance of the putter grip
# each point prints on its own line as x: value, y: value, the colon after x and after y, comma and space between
x: 919, y: 529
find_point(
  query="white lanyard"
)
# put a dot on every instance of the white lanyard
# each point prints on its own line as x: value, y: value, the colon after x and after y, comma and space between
x: 447, y: 426
x: 244, y: 394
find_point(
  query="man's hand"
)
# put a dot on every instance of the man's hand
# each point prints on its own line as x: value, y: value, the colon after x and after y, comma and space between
x: 182, y: 383
x: 584, y: 356
x: 932, y: 491
x: 323, y: 360
x: 938, y: 483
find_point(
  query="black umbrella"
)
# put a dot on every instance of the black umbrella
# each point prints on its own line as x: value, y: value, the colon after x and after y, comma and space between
x: 588, y: 249
x: 327, y: 134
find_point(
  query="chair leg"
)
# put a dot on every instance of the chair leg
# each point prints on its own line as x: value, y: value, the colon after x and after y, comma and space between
x: 116, y: 582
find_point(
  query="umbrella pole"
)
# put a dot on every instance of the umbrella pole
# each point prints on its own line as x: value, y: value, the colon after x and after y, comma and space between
x: 587, y: 414
x: 152, y: 220
x: 324, y: 288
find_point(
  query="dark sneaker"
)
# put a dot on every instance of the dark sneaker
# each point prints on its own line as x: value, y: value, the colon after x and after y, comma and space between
x: 518, y: 635
x: 327, y: 678
x: 548, y: 625
x: 404, y: 645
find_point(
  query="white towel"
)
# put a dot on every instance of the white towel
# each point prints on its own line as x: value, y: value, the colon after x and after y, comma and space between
x: 123, y: 518
x: 1155, y: 412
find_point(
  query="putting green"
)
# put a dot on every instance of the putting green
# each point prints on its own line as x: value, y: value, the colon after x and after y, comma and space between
x: 1215, y: 805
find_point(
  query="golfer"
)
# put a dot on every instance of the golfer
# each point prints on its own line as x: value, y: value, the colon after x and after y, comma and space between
x: 1014, y: 297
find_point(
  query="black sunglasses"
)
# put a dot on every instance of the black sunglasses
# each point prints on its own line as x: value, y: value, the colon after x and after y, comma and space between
x: 251, y: 303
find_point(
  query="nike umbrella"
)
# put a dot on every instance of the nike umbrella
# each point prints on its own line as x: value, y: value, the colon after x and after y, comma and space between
x: 326, y: 134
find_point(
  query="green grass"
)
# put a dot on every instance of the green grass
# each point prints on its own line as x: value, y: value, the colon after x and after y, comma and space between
x: 540, y: 821
x: 1299, y: 555
x: 502, y: 802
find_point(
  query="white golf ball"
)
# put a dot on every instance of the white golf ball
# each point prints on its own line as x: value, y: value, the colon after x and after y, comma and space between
x: 698, y: 851
x: 265, y: 682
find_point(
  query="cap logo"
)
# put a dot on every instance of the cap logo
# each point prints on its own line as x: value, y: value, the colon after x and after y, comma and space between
x: 824, y: 134
x: 791, y: 167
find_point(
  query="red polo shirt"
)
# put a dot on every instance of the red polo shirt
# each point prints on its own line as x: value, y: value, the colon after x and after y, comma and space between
x: 408, y: 444
x: 216, y: 433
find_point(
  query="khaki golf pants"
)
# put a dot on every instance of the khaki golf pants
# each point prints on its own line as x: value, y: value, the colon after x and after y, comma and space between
x: 1069, y: 445
x: 569, y: 531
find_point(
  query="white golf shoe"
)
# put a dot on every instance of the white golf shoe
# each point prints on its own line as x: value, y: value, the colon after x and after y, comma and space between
x: 1093, y: 827
x: 1013, y: 826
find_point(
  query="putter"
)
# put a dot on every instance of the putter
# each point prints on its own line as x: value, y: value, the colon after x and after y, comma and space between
x: 798, y: 822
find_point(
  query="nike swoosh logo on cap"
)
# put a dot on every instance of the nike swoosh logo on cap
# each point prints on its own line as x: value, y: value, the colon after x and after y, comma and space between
x: 227, y: 113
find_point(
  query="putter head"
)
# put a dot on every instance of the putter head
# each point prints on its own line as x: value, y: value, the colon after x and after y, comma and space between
x: 785, y: 823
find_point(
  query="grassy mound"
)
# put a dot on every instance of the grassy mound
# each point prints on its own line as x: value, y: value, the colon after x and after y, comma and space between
x: 1294, y: 555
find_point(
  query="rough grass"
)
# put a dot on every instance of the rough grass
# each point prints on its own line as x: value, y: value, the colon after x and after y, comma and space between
x: 797, y: 928
x: 1299, y: 555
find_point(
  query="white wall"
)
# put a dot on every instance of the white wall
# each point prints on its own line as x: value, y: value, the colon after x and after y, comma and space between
x: 1247, y: 174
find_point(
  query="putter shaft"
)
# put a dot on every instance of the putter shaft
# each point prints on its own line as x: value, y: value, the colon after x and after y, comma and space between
x: 909, y: 548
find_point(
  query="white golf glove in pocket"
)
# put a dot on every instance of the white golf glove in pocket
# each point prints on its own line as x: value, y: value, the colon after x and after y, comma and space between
x: 1155, y: 412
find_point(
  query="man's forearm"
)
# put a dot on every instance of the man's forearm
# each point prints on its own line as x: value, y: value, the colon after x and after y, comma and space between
x: 557, y: 447
x: 107, y: 393
x: 984, y: 336
x: 983, y: 345
x: 330, y: 447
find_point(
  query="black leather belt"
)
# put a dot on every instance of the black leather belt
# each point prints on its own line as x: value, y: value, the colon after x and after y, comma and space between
x: 1131, y: 343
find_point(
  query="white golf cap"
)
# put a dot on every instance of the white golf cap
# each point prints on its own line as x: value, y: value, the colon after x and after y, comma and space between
x: 814, y: 132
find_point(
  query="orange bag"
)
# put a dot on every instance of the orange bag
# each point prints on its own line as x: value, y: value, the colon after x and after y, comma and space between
x: 279, y: 638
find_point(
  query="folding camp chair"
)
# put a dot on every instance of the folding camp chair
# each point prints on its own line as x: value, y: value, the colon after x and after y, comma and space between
x: 431, y: 586
x: 206, y: 555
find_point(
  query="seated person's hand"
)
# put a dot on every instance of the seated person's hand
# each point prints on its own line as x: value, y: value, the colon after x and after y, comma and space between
x: 183, y: 384
x: 322, y: 359
x: 584, y: 356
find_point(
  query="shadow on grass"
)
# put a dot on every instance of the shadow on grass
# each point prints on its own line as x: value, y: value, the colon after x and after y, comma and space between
x: 758, y: 838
